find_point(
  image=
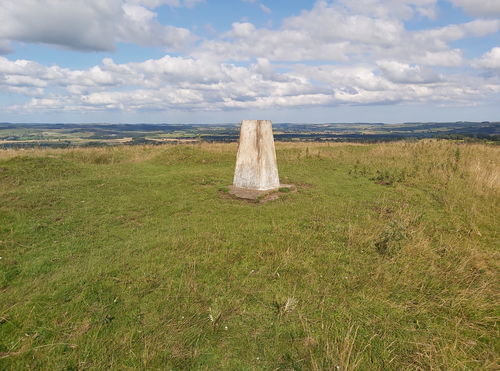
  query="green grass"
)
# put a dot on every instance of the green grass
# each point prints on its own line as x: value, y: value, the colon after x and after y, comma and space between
x: 132, y: 258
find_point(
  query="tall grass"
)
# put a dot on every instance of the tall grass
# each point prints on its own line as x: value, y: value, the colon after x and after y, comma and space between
x: 131, y: 258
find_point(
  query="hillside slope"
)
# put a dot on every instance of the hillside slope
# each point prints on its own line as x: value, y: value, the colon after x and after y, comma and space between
x: 136, y: 258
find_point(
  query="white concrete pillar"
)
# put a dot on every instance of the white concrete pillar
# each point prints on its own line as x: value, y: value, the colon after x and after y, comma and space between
x: 256, y: 166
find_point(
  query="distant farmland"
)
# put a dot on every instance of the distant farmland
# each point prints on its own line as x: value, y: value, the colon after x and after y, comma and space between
x: 68, y: 135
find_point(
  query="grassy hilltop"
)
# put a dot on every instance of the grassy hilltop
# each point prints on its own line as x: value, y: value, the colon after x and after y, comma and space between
x: 136, y: 258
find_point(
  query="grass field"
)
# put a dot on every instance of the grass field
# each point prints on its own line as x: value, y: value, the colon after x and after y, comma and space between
x: 134, y: 257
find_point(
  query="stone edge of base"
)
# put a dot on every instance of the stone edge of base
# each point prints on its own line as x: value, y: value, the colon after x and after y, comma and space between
x: 258, y: 195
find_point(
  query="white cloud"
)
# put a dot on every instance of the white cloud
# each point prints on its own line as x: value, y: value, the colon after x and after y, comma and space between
x: 445, y: 58
x: 173, y: 3
x: 329, y: 32
x: 156, y: 3
x: 323, y: 33
x: 166, y: 83
x: 189, y: 84
x: 440, y: 36
x: 479, y: 8
x: 329, y: 24
x: 24, y: 81
x: 192, y: 3
x: 265, y: 9
x: 287, y: 45
x: 28, y: 91
x: 360, y: 56
x: 141, y: 27
x: 403, y: 73
x: 489, y: 60
x: 87, y: 25
x: 401, y: 9
x: 22, y: 68
x: 242, y: 30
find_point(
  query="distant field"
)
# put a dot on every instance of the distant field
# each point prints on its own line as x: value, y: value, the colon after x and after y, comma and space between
x: 134, y: 257
x: 70, y: 135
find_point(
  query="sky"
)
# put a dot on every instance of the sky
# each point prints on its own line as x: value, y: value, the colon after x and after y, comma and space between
x: 217, y: 61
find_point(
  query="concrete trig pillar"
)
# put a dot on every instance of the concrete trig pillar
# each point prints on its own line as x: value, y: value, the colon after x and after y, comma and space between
x: 256, y: 166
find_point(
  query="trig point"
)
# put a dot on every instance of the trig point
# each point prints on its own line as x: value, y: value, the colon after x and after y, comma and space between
x: 256, y: 167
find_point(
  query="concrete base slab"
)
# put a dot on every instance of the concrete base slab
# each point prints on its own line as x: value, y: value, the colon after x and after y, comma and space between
x: 255, y: 195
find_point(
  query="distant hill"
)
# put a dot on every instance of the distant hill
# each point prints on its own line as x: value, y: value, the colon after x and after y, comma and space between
x: 64, y: 135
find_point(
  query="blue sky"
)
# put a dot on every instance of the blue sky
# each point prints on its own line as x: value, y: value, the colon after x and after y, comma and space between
x: 210, y: 61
